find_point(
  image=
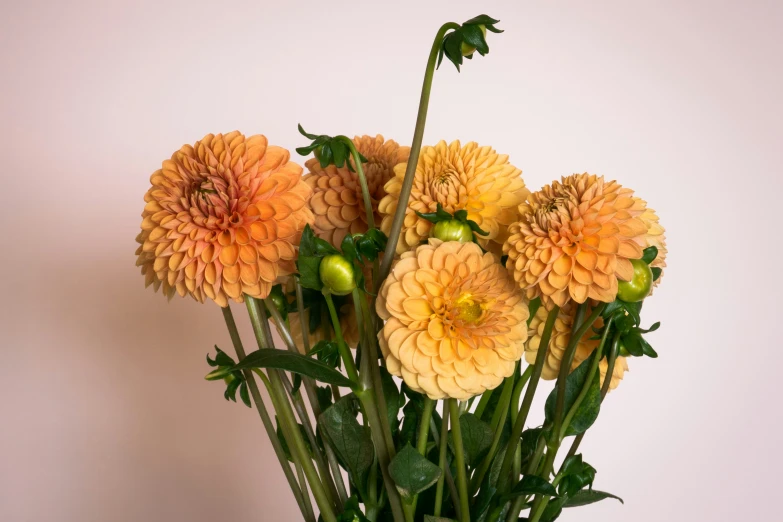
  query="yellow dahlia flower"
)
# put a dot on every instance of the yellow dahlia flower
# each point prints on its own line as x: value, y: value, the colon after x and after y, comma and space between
x: 337, y: 200
x: 472, y: 178
x: 576, y: 239
x: 223, y: 218
x: 561, y: 335
x: 455, y: 320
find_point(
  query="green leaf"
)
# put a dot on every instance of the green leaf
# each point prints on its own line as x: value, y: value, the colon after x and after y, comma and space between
x: 649, y: 254
x: 306, y: 135
x: 412, y: 473
x: 296, y: 363
x: 310, y: 245
x: 589, y: 496
x: 219, y: 373
x: 553, y: 510
x: 349, y: 248
x: 351, y: 512
x: 221, y: 359
x: 482, y: 19
x: 656, y: 272
x: 244, y: 395
x: 529, y: 443
x: 308, y: 272
x: 324, y: 394
x: 472, y: 35
x: 350, y: 440
x: 231, y: 390
x: 576, y: 475
x: 476, y: 438
x: 284, y: 443
x: 339, y: 150
x: 437, y: 216
x: 394, y: 399
x: 589, y: 408
x: 327, y: 352
x: 532, y: 485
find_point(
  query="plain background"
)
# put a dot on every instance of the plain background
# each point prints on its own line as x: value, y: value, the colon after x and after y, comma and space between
x: 104, y: 414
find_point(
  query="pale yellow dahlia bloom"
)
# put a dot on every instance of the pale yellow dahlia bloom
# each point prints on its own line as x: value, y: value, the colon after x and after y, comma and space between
x: 472, y: 178
x: 337, y: 201
x: 455, y: 320
x: 561, y: 335
x: 223, y: 218
x: 576, y: 240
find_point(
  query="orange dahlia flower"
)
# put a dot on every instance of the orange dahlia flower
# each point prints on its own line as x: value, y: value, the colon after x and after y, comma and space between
x: 455, y: 320
x: 472, y: 178
x: 561, y: 335
x: 337, y: 200
x: 223, y: 218
x: 576, y: 239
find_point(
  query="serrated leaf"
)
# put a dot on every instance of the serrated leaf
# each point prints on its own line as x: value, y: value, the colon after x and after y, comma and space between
x: 412, y: 473
x: 296, y: 363
x: 350, y: 440
x: 590, y: 406
x: 476, y: 438
x: 589, y: 496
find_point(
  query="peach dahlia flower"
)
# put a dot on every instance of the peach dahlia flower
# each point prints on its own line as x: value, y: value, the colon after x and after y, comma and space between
x: 337, y: 200
x: 472, y: 178
x: 455, y: 320
x: 561, y: 335
x: 223, y: 218
x: 576, y: 240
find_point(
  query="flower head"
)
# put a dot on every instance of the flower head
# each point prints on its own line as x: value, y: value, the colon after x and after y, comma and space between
x: 455, y: 320
x: 222, y: 219
x: 576, y: 239
x: 561, y: 335
x: 472, y: 178
x: 337, y: 200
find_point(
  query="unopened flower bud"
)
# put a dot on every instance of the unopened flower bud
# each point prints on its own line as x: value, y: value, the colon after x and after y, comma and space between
x: 468, y: 49
x: 337, y: 274
x: 640, y: 284
x: 452, y: 230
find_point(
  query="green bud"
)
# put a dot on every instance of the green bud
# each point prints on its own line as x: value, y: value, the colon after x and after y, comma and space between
x: 221, y: 372
x: 281, y: 303
x: 468, y: 49
x: 452, y: 230
x: 640, y: 284
x: 337, y: 274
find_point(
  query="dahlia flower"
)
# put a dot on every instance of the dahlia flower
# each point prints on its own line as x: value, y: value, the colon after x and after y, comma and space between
x: 472, y: 178
x: 455, y: 320
x: 576, y: 239
x: 337, y: 200
x: 223, y: 218
x: 561, y: 335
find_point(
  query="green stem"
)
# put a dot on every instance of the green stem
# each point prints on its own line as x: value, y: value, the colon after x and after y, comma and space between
x: 262, y: 412
x: 286, y: 414
x: 436, y: 436
x: 459, y: 454
x: 366, y: 397
x: 442, y: 453
x: 345, y: 352
x: 421, y: 446
x: 303, y: 482
x: 339, y: 495
x: 479, y: 411
x: 362, y: 180
x: 312, y: 396
x: 611, y: 359
x: 377, y: 382
x: 413, y: 158
x: 498, y: 420
x: 519, y: 425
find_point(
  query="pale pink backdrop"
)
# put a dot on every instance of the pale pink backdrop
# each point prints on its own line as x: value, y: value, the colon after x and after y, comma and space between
x: 104, y: 414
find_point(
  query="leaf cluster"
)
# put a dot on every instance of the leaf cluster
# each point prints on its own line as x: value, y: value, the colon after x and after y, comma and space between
x: 471, y: 35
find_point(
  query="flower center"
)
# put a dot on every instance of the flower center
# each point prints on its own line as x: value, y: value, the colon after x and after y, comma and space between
x: 467, y: 309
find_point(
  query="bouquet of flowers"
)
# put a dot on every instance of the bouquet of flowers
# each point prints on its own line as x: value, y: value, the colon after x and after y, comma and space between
x: 406, y: 286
